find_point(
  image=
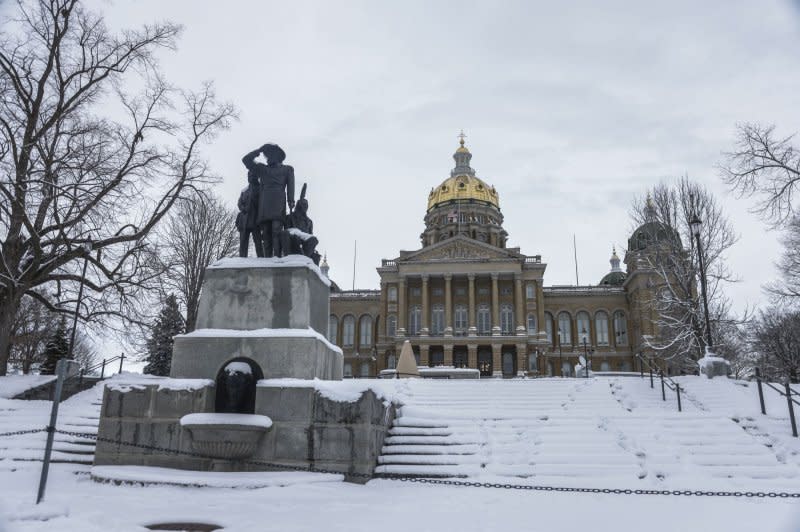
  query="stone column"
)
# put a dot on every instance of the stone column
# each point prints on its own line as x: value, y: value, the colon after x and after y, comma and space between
x: 424, y: 359
x: 448, y: 355
x: 540, y: 309
x: 472, y: 356
x: 384, y: 311
x: 495, y: 307
x: 497, y: 360
x: 425, y: 328
x: 402, y: 311
x: 520, y: 306
x: 473, y: 331
x: 448, y: 311
x: 522, y: 366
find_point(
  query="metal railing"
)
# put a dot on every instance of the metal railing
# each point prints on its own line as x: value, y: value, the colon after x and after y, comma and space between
x: 666, y: 381
x: 788, y: 392
x: 86, y: 372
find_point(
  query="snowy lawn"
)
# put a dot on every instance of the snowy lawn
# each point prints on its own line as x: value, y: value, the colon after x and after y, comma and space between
x: 75, y: 503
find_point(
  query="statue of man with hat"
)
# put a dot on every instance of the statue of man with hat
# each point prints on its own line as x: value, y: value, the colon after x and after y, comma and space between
x: 276, y: 190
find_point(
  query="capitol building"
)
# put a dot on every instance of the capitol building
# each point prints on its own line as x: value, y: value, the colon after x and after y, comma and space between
x: 465, y: 299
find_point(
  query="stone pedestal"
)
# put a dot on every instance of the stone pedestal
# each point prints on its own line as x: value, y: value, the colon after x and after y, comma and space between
x: 271, y: 311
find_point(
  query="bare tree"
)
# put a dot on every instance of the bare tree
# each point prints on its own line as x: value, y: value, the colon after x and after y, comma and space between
x: 664, y: 217
x: 30, y: 332
x: 767, y: 166
x: 77, y: 184
x: 776, y: 337
x: 787, y: 288
x: 198, y: 232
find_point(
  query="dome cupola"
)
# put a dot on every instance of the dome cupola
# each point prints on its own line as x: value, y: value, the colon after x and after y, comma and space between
x: 463, y: 204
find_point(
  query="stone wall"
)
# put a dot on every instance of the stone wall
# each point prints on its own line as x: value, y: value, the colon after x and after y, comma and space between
x: 149, y: 416
x: 308, y: 429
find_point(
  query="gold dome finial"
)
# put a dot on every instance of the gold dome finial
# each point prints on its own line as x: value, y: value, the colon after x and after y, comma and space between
x: 462, y: 148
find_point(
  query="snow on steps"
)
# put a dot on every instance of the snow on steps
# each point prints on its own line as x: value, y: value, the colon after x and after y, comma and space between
x: 552, y: 430
x: 79, y: 413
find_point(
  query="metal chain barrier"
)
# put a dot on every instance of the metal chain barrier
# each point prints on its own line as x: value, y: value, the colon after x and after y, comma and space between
x: 20, y: 432
x: 449, y: 482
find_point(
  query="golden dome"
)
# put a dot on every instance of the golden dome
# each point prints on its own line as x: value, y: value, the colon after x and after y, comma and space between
x: 463, y: 187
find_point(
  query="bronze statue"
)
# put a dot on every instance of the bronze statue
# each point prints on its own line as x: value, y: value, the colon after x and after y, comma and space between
x: 298, y: 236
x: 276, y: 182
x: 247, y: 220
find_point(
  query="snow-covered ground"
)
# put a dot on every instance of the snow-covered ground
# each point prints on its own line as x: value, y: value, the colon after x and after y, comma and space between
x: 602, y: 432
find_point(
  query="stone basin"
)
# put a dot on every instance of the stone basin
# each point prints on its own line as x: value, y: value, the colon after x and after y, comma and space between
x: 226, y: 436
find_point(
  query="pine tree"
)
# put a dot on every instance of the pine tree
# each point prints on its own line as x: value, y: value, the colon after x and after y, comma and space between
x: 159, y: 346
x: 57, y: 348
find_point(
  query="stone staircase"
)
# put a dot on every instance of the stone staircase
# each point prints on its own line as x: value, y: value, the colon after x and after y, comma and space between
x: 79, y: 413
x: 600, y: 431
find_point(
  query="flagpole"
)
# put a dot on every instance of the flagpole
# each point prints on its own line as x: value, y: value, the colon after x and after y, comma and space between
x: 575, y: 251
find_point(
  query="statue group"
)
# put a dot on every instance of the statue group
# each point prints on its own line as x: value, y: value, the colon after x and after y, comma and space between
x: 262, y: 209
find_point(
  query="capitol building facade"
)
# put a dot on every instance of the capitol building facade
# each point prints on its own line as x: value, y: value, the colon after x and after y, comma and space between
x: 465, y: 299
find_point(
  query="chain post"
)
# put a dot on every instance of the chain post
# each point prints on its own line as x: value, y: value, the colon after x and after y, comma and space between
x: 61, y: 372
x: 103, y: 369
x: 678, y: 391
x: 651, y: 375
x: 760, y: 392
x: 121, y: 360
x: 663, y: 391
x: 791, y: 408
x: 641, y: 367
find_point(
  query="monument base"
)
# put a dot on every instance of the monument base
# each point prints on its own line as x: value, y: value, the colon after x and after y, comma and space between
x: 279, y: 353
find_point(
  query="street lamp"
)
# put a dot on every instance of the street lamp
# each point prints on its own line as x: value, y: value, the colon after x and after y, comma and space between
x: 585, y: 336
x: 696, y: 224
x: 87, y: 248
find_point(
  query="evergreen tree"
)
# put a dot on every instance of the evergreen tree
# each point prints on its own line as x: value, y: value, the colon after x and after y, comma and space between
x: 57, y: 348
x: 159, y: 346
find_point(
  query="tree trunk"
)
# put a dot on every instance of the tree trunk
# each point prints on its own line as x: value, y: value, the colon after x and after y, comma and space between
x: 9, y: 306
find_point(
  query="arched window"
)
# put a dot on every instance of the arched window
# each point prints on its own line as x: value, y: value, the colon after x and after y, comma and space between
x: 391, y: 361
x: 348, y: 369
x: 461, y: 319
x: 584, y: 329
x: 365, y: 369
x: 437, y: 320
x: 365, y: 331
x: 348, y: 330
x: 604, y: 366
x: 391, y: 325
x: 530, y: 291
x: 533, y: 363
x: 566, y: 369
x: 601, y: 327
x: 564, y: 329
x: 532, y: 325
x: 506, y: 319
x: 548, y: 327
x: 391, y: 293
x: 620, y: 328
x: 333, y: 329
x: 484, y: 320
x: 414, y: 320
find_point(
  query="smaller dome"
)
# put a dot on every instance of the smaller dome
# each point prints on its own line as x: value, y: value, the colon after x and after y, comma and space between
x: 616, y: 277
x: 613, y: 279
x: 650, y: 233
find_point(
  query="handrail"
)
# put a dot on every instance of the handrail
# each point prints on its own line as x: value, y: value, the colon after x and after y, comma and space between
x: 787, y: 394
x: 666, y: 381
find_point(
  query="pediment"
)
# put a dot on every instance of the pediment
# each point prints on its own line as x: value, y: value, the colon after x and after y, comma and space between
x: 459, y: 248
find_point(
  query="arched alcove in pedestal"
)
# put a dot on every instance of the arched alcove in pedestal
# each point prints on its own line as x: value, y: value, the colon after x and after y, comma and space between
x: 236, y: 386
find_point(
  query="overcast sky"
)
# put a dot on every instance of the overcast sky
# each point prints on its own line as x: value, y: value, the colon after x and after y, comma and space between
x: 570, y: 110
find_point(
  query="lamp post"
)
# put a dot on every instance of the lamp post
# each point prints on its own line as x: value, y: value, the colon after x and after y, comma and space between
x: 87, y: 248
x: 585, y: 335
x: 696, y: 224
